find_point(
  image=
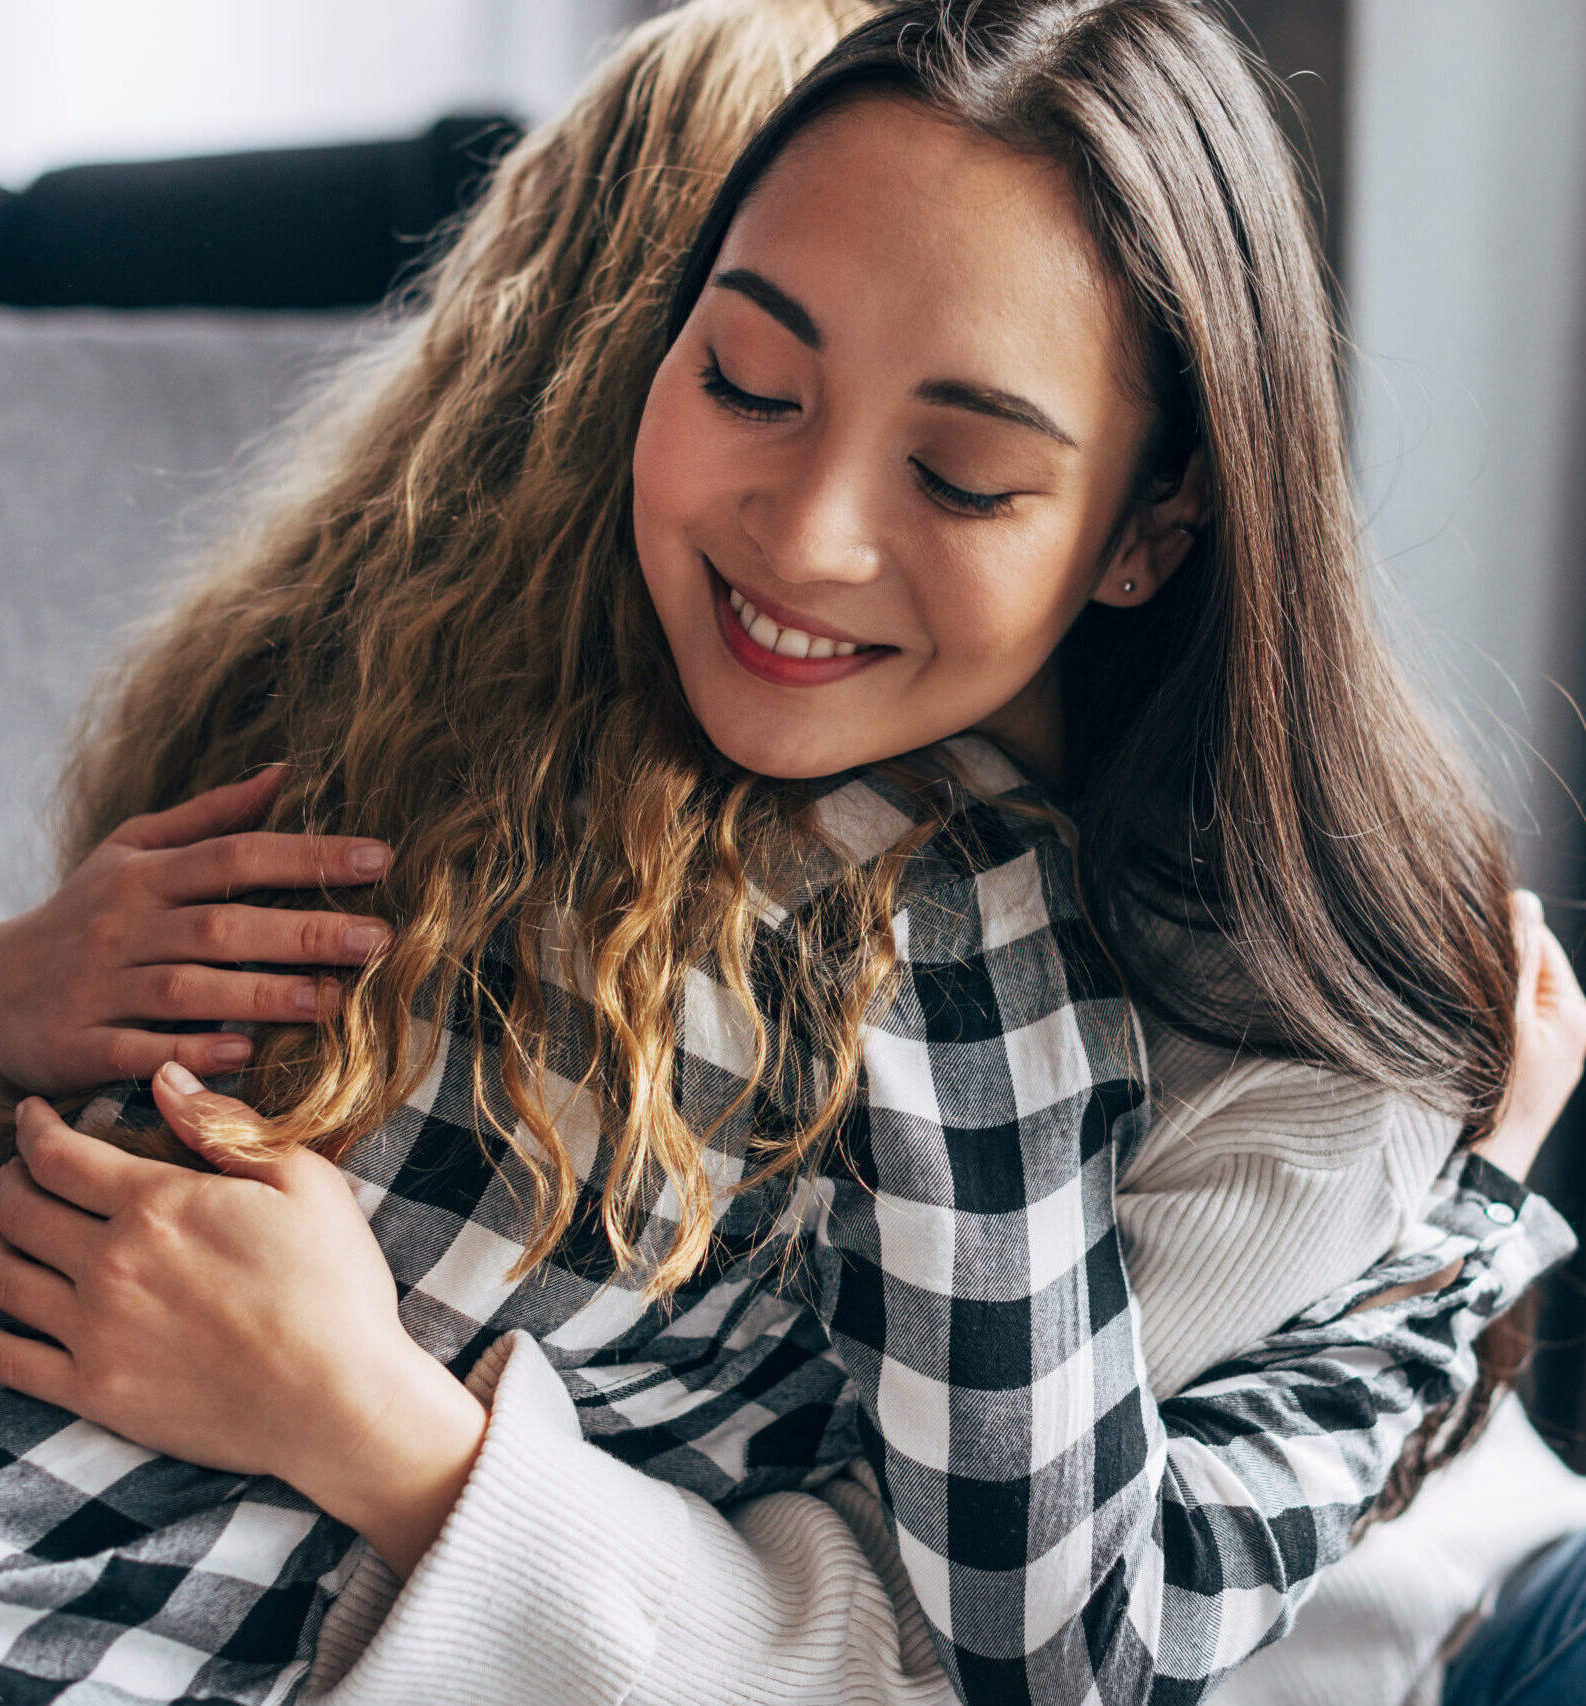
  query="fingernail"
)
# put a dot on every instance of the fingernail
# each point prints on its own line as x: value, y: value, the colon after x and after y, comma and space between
x: 365, y: 938
x: 179, y: 1079
x: 317, y: 997
x: 370, y: 859
x: 231, y: 1054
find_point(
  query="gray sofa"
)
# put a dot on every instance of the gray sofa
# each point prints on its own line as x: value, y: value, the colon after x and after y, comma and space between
x: 119, y: 437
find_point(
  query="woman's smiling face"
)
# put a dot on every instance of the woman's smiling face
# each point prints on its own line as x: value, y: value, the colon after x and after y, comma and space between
x: 879, y: 466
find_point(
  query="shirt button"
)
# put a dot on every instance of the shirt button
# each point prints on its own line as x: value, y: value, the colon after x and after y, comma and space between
x: 1501, y: 1214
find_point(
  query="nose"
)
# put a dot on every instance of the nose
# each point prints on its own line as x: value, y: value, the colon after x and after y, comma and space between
x: 815, y: 517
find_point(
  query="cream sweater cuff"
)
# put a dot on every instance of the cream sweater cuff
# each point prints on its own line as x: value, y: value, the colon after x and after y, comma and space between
x: 602, y: 1545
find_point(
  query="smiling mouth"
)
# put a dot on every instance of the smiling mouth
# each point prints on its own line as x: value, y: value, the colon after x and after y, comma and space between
x: 781, y: 654
x: 786, y: 642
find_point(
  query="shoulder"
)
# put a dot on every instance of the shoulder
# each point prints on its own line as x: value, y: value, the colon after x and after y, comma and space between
x: 1283, y: 1121
x: 1009, y: 1025
x: 986, y: 909
x: 985, y: 856
x: 1215, y: 1101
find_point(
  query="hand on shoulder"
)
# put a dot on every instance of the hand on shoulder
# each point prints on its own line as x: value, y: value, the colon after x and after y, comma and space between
x: 1550, y: 1043
x: 145, y: 932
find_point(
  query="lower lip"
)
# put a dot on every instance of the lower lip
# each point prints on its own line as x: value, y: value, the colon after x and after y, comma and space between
x: 772, y: 666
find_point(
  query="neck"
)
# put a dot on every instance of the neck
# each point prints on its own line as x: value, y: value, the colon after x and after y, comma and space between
x: 1030, y: 725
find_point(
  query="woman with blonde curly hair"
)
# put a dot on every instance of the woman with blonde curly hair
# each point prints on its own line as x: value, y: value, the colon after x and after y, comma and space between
x: 748, y: 1032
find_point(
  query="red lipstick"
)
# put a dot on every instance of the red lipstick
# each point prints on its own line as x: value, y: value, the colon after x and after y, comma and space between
x: 772, y: 666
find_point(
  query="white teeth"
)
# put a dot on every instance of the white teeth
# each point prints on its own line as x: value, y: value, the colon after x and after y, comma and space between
x: 785, y: 642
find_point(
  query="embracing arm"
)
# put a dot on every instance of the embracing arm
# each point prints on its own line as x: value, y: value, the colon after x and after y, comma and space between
x: 782, y: 1554
x: 1056, y: 1525
x: 563, y: 1574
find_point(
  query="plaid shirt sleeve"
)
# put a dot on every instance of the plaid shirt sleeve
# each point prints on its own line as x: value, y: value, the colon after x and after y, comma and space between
x: 1067, y: 1538
x: 132, y: 1579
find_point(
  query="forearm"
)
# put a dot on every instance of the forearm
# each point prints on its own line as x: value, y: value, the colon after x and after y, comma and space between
x: 397, y: 1484
x: 1116, y: 1552
x: 1297, y: 1437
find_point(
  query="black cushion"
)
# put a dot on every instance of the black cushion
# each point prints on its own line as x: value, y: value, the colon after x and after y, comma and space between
x: 328, y: 227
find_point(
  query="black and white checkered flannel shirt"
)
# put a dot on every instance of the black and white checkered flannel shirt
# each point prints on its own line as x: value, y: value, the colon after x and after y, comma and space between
x: 946, y: 1298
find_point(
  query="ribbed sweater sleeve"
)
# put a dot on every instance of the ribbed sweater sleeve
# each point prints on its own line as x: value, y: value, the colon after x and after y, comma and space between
x: 1262, y: 1186
x: 547, y: 1584
x: 564, y: 1578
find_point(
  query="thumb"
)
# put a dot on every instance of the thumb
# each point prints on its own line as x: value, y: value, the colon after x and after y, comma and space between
x: 1529, y: 929
x: 229, y: 1134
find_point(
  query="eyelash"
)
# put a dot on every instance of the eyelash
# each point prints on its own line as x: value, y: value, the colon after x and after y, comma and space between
x: 748, y: 406
x: 978, y: 504
x: 716, y: 384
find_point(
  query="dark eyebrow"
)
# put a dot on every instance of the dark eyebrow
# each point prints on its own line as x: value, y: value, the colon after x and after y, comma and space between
x: 946, y: 393
x: 776, y: 302
x: 1000, y: 405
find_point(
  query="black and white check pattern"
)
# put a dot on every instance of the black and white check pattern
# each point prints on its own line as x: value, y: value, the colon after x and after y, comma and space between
x: 946, y: 1297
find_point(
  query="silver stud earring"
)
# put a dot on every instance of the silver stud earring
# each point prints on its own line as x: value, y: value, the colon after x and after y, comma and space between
x: 1128, y: 586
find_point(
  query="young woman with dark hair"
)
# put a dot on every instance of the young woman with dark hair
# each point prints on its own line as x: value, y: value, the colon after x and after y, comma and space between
x: 947, y: 632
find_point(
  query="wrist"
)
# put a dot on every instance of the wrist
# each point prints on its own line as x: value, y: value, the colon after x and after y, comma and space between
x: 404, y: 1467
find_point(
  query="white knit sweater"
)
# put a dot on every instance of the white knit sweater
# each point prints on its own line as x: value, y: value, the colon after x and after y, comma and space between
x: 565, y: 1578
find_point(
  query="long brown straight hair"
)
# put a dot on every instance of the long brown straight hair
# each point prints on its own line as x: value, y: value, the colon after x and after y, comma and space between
x: 1242, y: 755
x: 1246, y: 769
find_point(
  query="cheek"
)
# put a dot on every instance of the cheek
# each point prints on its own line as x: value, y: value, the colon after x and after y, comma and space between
x: 1009, y: 608
x: 655, y: 470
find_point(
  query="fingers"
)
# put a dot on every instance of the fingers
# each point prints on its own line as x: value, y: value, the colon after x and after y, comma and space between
x: 213, y: 813
x: 42, y: 1226
x: 42, y: 1371
x: 1559, y: 992
x: 232, y: 864
x: 110, y: 1054
x: 1440, y: 1281
x: 205, y: 992
x: 1556, y: 983
x: 221, y: 934
x: 75, y: 1169
x: 37, y: 1297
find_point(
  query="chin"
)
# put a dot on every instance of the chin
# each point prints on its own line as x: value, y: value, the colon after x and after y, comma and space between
x: 789, y: 758
x: 761, y: 760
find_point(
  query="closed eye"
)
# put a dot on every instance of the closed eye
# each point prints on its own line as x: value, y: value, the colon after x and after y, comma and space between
x: 957, y: 499
x: 714, y: 383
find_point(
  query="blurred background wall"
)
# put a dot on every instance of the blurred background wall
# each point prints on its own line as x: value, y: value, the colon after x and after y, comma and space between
x: 127, y: 79
x: 1449, y: 146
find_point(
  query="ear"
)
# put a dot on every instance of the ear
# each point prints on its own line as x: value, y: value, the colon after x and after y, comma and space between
x: 1156, y: 539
